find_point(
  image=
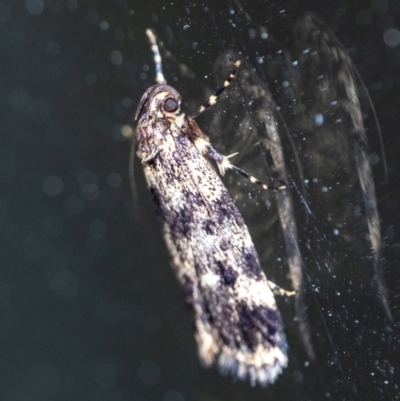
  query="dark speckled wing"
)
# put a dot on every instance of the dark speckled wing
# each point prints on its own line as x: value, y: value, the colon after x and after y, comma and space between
x: 238, y: 326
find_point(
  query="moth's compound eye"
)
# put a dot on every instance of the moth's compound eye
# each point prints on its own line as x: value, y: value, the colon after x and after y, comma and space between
x: 171, y: 105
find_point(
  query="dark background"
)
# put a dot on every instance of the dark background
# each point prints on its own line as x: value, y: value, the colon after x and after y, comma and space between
x: 90, y: 309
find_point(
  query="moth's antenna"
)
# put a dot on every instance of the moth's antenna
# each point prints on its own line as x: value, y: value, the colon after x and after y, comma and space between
x: 157, y: 57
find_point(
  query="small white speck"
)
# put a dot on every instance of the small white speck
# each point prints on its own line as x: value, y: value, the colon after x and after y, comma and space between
x: 319, y: 119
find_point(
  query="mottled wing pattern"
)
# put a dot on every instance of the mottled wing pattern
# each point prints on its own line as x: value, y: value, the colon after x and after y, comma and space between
x: 238, y: 326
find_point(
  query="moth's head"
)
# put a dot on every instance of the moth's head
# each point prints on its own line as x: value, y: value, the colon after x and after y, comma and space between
x: 159, y: 100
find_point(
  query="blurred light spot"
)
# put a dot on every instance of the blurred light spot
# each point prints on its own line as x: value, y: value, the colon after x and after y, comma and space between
x: 143, y: 76
x: 126, y: 131
x: 52, y: 225
x: 285, y: 84
x: 35, y: 7
x: 336, y: 231
x: 264, y: 35
x: 91, y: 79
x: 44, y: 380
x: 114, y: 180
x: 104, y: 25
x: 392, y: 37
x: 65, y: 285
x: 324, y: 189
x: 173, y: 396
x: 149, y: 373
x: 53, y: 185
x: 379, y: 7
x: 73, y: 206
x: 5, y: 13
x: 90, y: 192
x: 98, y: 229
x: 18, y: 98
x: 319, y: 119
x: 364, y: 17
x: 53, y: 48
x: 252, y: 33
x: 295, y: 63
x: 72, y: 5
x: 116, y: 57
x: 297, y: 376
x: 126, y: 102
x: 106, y: 375
x: 93, y: 17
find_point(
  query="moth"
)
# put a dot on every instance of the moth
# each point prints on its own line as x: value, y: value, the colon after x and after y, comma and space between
x: 238, y: 327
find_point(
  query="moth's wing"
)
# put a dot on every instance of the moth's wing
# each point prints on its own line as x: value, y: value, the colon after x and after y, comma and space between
x: 333, y: 149
x: 246, y: 121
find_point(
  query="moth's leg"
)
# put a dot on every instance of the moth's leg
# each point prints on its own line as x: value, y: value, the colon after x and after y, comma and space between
x: 280, y: 291
x: 213, y: 98
x: 150, y: 159
x: 224, y: 164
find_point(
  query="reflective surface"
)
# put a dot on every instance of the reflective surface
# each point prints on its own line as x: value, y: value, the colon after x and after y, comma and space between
x: 90, y: 308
